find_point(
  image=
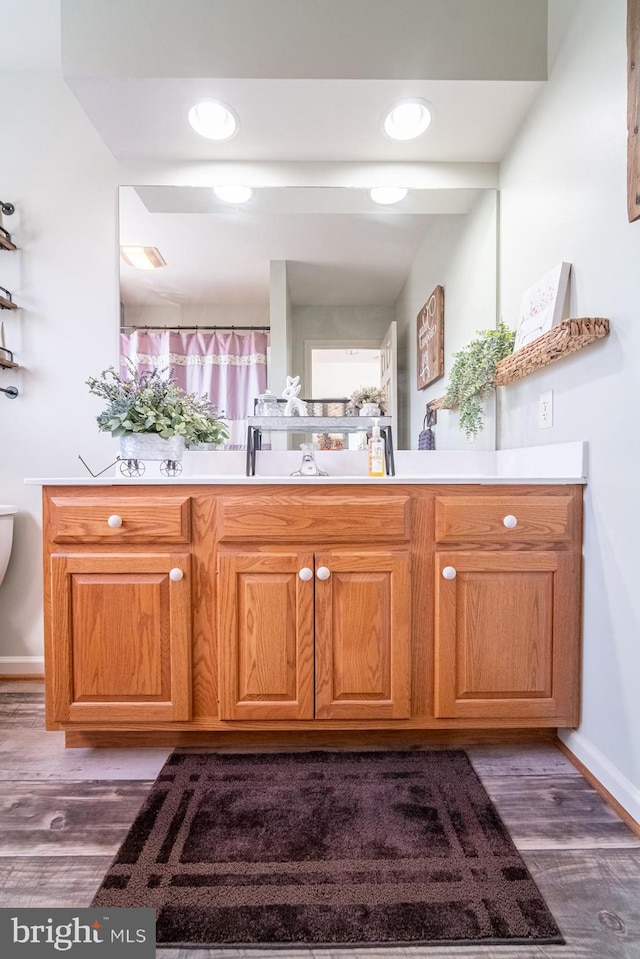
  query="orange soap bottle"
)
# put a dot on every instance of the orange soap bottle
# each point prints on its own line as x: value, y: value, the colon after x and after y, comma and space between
x: 376, y: 452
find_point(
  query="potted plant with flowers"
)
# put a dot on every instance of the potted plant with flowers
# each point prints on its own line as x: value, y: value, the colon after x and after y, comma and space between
x: 154, y: 417
x: 367, y: 401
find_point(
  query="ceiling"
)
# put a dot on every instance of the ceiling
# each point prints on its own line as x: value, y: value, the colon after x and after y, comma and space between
x: 341, y: 248
x: 309, y: 80
x: 305, y: 120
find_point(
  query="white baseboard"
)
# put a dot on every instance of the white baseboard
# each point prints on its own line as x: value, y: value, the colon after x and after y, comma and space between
x: 621, y: 788
x: 21, y: 665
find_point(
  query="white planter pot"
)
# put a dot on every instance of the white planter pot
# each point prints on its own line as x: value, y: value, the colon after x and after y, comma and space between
x: 369, y: 409
x: 151, y: 446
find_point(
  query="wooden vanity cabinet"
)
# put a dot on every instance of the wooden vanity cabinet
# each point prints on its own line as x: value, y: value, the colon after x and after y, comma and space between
x: 195, y: 610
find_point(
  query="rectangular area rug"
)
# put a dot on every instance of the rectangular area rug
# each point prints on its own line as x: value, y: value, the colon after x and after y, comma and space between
x: 325, y: 848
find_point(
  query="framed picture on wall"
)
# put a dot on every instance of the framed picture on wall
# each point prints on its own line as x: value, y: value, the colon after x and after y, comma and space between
x: 431, y: 339
x: 542, y: 305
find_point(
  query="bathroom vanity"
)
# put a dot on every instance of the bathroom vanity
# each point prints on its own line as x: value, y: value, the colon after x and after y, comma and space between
x: 179, y: 611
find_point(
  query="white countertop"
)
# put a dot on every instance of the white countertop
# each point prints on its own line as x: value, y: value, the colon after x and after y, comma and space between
x: 556, y: 463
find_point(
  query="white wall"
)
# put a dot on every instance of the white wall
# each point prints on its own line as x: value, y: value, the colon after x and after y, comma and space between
x: 563, y: 197
x: 280, y: 323
x: 61, y: 178
x: 464, y: 262
x: 205, y: 314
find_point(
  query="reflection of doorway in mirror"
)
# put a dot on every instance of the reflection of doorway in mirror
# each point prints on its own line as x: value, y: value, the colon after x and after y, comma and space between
x: 336, y: 371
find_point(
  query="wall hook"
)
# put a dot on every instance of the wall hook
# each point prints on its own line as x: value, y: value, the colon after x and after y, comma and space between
x: 7, y: 208
x: 9, y: 391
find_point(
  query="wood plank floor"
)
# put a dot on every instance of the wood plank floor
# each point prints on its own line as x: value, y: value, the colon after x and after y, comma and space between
x: 63, y: 814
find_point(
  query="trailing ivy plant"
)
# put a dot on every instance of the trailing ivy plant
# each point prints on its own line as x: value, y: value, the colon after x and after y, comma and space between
x: 473, y: 376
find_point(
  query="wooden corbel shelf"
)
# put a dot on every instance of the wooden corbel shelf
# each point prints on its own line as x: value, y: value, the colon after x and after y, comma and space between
x: 565, y: 338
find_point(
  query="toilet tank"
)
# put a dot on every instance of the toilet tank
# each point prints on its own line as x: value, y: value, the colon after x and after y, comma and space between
x: 6, y: 536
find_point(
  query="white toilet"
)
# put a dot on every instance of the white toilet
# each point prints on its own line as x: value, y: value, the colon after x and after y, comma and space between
x: 6, y: 536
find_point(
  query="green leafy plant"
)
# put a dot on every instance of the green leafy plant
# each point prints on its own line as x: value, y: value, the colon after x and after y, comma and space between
x: 151, y: 402
x: 473, y: 376
x: 366, y: 394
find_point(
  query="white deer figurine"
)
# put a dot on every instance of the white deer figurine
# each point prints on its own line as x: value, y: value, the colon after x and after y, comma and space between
x: 294, y: 406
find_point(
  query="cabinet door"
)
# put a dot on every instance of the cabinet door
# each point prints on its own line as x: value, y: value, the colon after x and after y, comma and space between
x: 363, y: 634
x: 507, y: 633
x: 266, y: 635
x: 122, y: 628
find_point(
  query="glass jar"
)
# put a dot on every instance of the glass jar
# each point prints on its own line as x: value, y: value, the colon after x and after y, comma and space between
x: 267, y: 404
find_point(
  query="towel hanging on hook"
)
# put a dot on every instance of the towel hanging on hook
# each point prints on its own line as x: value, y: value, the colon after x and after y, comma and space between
x: 427, y: 439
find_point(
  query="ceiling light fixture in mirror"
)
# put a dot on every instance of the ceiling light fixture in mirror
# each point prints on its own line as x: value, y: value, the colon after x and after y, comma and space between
x: 142, y: 257
x: 233, y: 194
x: 387, y: 194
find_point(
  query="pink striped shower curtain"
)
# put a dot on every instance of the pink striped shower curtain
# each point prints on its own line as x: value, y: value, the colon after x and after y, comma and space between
x: 231, y: 368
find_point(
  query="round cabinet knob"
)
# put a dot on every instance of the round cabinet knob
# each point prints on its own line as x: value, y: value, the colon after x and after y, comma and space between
x: 176, y: 574
x: 510, y: 521
x: 115, y: 521
x: 449, y: 572
x: 305, y: 574
x: 323, y: 572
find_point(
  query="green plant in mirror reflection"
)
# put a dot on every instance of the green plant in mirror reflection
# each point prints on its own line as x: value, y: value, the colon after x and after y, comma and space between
x: 366, y: 394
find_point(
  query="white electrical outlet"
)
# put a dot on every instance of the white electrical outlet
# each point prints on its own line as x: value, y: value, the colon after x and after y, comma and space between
x: 545, y: 410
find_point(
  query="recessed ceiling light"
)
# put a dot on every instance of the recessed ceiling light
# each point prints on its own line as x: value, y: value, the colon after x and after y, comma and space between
x: 388, y: 194
x: 142, y: 257
x: 213, y: 119
x: 233, y: 194
x: 407, y: 119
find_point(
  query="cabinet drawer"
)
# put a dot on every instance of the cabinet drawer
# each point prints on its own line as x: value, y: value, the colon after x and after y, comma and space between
x: 295, y: 516
x: 508, y: 519
x: 151, y: 519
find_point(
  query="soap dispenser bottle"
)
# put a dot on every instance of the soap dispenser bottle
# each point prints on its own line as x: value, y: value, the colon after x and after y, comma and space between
x: 376, y: 452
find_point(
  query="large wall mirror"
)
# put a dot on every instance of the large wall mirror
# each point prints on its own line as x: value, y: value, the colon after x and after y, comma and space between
x: 327, y: 273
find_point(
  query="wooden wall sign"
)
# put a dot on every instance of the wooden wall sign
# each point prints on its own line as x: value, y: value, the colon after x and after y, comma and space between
x: 633, y: 109
x: 431, y: 339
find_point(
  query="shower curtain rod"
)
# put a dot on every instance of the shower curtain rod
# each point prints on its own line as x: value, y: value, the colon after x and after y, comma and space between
x: 176, y: 329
